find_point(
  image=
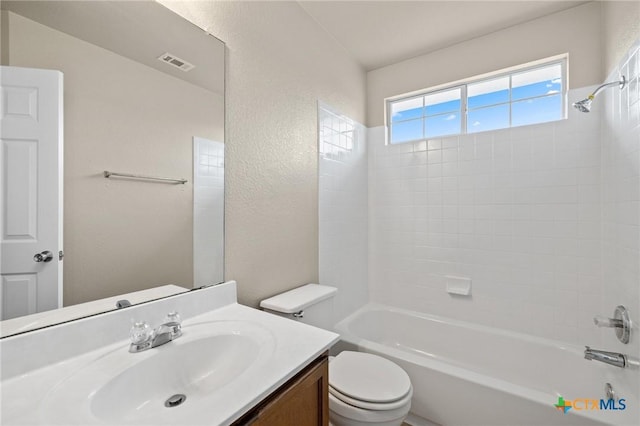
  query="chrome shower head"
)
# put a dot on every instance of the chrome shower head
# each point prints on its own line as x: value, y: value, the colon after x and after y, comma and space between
x: 585, y: 104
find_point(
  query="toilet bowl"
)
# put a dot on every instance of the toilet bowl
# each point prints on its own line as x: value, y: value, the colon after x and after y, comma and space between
x: 364, y: 389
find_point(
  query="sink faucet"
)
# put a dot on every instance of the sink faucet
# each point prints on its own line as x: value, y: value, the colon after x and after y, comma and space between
x: 611, y: 358
x: 143, y: 337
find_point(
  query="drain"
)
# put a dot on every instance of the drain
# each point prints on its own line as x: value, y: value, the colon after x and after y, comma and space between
x: 175, y: 400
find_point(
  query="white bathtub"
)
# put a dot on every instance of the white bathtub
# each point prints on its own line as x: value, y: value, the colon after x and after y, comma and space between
x: 465, y: 374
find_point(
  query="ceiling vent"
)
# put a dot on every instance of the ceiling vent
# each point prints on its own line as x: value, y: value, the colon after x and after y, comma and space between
x: 176, y: 62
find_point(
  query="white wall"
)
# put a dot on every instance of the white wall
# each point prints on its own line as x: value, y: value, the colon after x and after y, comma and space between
x: 576, y: 31
x: 343, y: 209
x: 621, y: 211
x: 279, y: 63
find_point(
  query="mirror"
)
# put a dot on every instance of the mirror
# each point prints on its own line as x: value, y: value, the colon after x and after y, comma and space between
x: 142, y: 98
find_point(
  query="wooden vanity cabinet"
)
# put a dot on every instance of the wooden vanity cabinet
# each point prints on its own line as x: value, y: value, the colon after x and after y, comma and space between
x: 302, y: 401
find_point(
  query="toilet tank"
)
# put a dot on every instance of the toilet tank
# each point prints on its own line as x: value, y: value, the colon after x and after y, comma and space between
x: 311, y: 304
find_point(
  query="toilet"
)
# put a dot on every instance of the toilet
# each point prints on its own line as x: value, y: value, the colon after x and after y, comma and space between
x: 364, y: 389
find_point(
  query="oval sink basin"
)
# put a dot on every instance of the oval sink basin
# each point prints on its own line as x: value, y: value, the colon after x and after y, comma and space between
x: 119, y: 387
x: 193, y: 369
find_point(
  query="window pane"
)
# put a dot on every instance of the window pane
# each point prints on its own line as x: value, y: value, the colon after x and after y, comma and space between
x: 490, y: 118
x: 407, y: 109
x: 538, y: 82
x: 404, y: 131
x: 536, y: 110
x: 488, y: 92
x: 444, y: 124
x: 440, y: 102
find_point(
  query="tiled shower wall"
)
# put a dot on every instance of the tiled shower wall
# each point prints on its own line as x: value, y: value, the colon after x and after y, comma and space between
x: 518, y: 211
x: 621, y: 205
x: 342, y: 209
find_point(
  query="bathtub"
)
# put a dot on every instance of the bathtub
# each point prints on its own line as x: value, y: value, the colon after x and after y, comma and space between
x: 466, y: 374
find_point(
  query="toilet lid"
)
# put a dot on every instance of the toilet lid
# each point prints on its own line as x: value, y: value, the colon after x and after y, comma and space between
x: 368, y: 377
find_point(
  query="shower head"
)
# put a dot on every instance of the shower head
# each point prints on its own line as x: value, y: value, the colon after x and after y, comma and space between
x: 585, y: 104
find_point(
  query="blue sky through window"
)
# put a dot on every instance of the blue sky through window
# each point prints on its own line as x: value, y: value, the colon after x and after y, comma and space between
x: 535, y: 97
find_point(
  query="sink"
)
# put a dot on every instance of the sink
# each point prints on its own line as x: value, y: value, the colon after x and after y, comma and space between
x: 193, y: 369
x: 119, y: 387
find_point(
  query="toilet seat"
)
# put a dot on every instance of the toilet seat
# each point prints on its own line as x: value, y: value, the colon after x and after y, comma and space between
x: 368, y: 381
x: 349, y: 413
x: 384, y: 406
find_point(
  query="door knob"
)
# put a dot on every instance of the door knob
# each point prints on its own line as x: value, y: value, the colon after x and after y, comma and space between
x: 45, y: 256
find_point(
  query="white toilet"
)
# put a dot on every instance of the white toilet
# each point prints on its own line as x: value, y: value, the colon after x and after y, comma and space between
x: 364, y: 389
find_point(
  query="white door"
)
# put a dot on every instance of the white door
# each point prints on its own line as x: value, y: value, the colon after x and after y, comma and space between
x: 31, y: 114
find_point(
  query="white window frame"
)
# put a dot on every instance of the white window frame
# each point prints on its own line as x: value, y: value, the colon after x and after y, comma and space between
x: 463, y: 84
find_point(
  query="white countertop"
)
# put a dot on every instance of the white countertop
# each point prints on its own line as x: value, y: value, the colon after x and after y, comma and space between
x: 34, y: 397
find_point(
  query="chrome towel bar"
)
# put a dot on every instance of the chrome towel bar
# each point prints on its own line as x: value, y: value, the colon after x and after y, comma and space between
x: 108, y: 174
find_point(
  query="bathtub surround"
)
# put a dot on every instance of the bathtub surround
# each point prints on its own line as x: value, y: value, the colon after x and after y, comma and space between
x: 342, y: 203
x: 515, y: 210
x: 544, y: 219
x: 620, y: 135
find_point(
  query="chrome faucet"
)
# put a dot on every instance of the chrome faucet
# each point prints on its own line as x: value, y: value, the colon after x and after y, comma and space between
x: 611, y: 358
x: 143, y: 337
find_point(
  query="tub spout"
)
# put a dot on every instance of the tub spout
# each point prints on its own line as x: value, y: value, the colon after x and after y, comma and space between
x: 611, y: 358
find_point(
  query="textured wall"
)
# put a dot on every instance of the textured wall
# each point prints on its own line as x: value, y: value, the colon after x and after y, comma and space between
x: 576, y: 31
x: 279, y: 63
x: 620, y: 28
x: 121, y: 236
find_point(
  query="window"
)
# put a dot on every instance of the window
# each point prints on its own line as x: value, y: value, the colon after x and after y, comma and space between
x: 526, y: 96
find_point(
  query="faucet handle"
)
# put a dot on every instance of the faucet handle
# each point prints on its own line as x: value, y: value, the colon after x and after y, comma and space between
x: 140, y: 333
x: 620, y: 322
x: 173, y: 317
x: 173, y: 320
x: 601, y: 321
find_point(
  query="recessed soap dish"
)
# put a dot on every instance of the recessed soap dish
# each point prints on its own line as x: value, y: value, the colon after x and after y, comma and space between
x: 460, y: 286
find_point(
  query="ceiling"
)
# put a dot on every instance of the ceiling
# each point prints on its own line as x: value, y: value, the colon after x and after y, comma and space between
x: 140, y: 31
x: 380, y: 33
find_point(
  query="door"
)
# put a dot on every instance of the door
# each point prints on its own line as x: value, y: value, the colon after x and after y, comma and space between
x: 31, y: 128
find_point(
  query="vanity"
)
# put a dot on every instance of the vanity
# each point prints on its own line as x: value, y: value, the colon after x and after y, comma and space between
x: 233, y: 365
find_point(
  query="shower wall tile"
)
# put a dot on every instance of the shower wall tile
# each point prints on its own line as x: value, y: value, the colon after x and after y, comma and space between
x: 516, y: 210
x: 342, y: 209
x: 621, y: 208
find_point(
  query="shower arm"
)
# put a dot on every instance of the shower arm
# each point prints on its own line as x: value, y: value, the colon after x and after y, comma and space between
x: 621, y: 83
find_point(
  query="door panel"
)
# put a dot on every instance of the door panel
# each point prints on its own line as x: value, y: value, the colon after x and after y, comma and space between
x: 19, y: 294
x: 31, y: 189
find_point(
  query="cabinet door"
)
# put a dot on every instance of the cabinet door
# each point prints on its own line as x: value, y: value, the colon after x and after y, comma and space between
x: 303, y: 401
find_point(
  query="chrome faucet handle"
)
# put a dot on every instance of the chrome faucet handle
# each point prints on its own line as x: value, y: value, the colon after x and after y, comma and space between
x: 601, y: 321
x: 620, y: 322
x: 141, y: 336
x: 144, y: 337
x: 173, y: 321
